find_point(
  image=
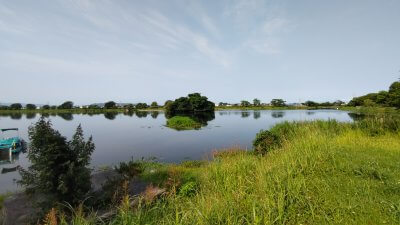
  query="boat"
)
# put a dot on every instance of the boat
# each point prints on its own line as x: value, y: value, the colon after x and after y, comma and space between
x: 12, y: 144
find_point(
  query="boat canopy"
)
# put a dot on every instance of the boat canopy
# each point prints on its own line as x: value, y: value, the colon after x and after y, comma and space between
x: 7, y: 129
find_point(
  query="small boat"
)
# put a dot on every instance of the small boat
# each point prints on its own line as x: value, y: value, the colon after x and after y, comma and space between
x: 13, y: 144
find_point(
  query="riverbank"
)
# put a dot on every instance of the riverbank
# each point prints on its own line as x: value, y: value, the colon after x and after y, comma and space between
x: 217, y: 108
x: 322, y: 172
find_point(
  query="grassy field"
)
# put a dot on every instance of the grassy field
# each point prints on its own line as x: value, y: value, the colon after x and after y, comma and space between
x: 322, y: 173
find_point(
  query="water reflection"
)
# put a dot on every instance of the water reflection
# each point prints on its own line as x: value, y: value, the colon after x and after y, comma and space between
x: 278, y: 114
x: 256, y: 114
x: 245, y: 114
x: 65, y: 116
x: 16, y: 116
x: 45, y: 115
x: 129, y: 113
x: 141, y: 114
x: 30, y: 115
x: 154, y: 114
x: 110, y: 115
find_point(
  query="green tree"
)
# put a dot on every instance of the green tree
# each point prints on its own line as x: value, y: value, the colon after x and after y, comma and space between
x: 192, y: 103
x: 59, y: 168
x: 154, y: 105
x: 46, y: 107
x: 394, y: 95
x: 244, y: 103
x: 368, y: 103
x: 256, y: 102
x: 16, y: 106
x: 110, y: 105
x: 141, y: 106
x: 129, y: 107
x: 66, y: 105
x: 30, y: 106
x: 310, y: 104
x: 278, y: 102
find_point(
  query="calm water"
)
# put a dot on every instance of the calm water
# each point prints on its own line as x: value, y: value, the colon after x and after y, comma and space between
x: 120, y: 137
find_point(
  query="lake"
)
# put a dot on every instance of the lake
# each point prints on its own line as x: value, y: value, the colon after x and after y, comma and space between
x: 121, y: 137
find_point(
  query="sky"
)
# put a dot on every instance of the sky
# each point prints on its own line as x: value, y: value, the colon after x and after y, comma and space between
x: 91, y: 51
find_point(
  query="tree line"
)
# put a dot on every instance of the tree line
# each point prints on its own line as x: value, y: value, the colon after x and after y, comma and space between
x: 70, y: 105
x: 390, y: 98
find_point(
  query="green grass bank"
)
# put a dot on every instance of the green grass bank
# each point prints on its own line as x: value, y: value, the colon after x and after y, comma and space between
x: 321, y: 173
x: 183, y: 123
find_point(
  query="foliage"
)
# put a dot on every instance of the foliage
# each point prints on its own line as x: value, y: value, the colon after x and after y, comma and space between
x: 394, y: 95
x: 190, y: 104
x: 278, y: 102
x: 130, y: 169
x: 110, y: 105
x: 256, y: 102
x: 382, y: 98
x: 265, y: 141
x: 183, y: 123
x: 30, y: 106
x: 66, y: 105
x: 58, y: 167
x: 46, y: 107
x: 154, y: 105
x: 16, y: 106
x: 311, y: 103
x: 141, y: 106
x: 245, y: 103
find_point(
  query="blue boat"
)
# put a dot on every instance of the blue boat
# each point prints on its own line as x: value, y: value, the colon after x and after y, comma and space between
x: 13, y: 144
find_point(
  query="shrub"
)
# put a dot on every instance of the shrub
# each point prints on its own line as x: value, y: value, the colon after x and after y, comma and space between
x: 58, y: 167
x: 190, y: 104
x: 16, y: 106
x: 265, y: 141
x: 182, y: 123
x: 66, y: 105
x: 110, y: 105
x: 31, y: 106
x: 130, y: 169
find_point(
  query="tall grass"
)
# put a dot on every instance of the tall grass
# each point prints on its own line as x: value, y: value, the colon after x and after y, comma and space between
x: 322, y: 173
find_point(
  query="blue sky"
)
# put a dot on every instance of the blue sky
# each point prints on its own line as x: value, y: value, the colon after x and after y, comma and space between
x: 229, y: 50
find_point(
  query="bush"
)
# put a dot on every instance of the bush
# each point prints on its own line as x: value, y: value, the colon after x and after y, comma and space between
x: 141, y: 106
x: 110, y: 105
x: 46, y: 107
x: 190, y: 104
x: 130, y: 169
x: 265, y: 141
x: 30, y: 106
x: 183, y: 123
x: 66, y: 105
x: 58, y: 167
x: 16, y: 106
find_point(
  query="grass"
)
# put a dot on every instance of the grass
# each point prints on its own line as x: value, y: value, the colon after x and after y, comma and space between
x: 324, y: 172
x: 183, y: 123
x: 2, y: 197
